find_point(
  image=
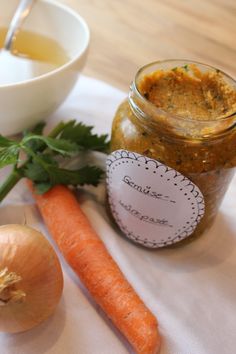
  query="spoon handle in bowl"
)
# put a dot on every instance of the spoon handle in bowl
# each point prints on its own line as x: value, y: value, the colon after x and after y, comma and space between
x: 19, y: 17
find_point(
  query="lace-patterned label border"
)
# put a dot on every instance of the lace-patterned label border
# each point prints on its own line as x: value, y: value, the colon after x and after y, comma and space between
x: 153, y: 204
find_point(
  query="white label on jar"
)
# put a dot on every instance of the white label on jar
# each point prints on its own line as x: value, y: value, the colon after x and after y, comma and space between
x: 153, y: 204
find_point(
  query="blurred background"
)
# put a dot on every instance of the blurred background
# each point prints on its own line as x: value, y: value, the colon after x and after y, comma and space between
x: 128, y: 34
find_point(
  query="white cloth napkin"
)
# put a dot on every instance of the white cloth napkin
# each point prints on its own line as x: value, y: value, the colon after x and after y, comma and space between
x: 191, y: 290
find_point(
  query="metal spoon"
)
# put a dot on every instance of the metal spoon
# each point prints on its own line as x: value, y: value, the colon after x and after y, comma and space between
x: 18, y: 19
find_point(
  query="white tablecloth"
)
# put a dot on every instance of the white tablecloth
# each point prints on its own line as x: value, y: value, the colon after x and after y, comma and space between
x: 191, y: 290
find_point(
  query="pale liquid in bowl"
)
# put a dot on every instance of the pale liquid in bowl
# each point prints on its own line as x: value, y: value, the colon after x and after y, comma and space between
x: 34, y: 55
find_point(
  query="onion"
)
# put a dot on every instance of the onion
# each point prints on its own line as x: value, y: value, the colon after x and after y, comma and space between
x: 31, y: 279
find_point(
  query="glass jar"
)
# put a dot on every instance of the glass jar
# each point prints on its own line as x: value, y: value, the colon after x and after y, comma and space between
x: 202, y: 151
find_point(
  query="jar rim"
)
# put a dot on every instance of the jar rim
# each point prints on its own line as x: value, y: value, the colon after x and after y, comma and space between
x: 134, y: 87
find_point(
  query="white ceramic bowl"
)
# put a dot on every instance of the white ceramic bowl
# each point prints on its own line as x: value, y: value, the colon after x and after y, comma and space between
x: 24, y: 104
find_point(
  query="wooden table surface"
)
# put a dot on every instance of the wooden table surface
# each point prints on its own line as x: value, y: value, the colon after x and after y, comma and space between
x: 130, y: 33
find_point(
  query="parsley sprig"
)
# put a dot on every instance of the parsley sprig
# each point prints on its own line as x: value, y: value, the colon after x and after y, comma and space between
x: 42, y: 156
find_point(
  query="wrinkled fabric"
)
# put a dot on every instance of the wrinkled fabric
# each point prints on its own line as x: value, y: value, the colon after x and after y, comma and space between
x: 191, y: 289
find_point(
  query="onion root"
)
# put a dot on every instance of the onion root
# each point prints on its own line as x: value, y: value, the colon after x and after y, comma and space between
x: 8, y: 291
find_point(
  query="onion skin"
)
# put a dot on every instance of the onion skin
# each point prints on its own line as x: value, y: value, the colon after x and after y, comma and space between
x: 27, y: 253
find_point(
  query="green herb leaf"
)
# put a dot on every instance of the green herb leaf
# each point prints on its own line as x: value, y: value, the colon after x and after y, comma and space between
x: 4, y: 142
x: 42, y: 188
x: 9, y: 155
x: 185, y: 67
x: 89, y: 175
x: 47, y: 159
x: 86, y: 175
x: 38, y: 169
x: 41, y: 163
x: 36, y: 172
x: 61, y: 146
x: 37, y: 130
x: 82, y: 135
x: 44, y: 169
x: 35, y: 145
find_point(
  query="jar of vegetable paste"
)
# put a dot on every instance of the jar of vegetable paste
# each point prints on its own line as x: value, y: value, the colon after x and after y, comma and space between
x: 173, y: 152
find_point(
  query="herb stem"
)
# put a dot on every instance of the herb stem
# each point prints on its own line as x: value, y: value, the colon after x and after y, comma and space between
x: 10, y: 182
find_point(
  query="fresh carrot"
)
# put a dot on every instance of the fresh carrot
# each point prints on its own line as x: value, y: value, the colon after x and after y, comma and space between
x: 87, y: 255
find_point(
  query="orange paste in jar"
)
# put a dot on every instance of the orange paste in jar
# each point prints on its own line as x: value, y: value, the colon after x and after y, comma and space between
x: 188, y: 122
x: 189, y: 93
